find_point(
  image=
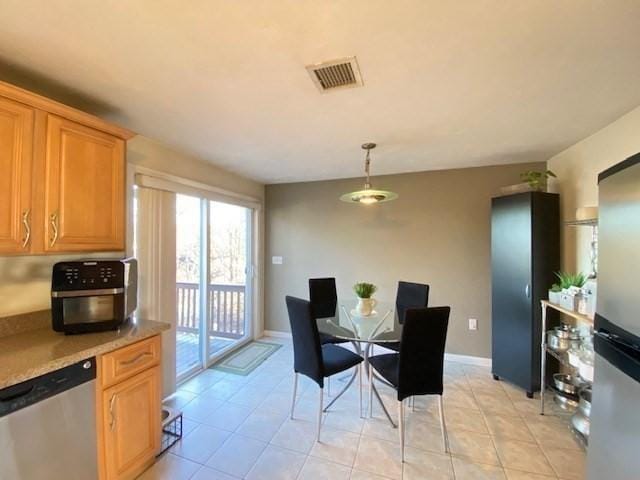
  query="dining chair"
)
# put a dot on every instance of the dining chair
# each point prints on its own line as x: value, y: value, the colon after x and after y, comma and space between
x: 411, y: 295
x: 418, y: 367
x: 310, y: 357
x: 323, y: 296
x: 324, y: 301
x: 408, y: 295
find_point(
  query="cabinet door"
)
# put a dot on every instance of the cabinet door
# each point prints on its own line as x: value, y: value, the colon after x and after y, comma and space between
x: 131, y: 425
x: 16, y: 147
x: 512, y: 322
x: 84, y: 189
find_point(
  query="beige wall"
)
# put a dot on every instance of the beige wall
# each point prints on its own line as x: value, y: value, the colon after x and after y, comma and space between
x: 25, y: 281
x: 577, y: 168
x: 149, y: 153
x: 437, y: 232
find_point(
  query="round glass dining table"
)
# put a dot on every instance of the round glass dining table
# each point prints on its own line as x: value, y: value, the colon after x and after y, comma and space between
x: 381, y: 327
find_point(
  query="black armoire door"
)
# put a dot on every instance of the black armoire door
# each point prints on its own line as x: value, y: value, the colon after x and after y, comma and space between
x: 524, y: 255
x: 511, y: 286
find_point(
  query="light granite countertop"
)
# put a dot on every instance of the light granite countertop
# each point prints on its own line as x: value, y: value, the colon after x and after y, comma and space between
x: 29, y: 354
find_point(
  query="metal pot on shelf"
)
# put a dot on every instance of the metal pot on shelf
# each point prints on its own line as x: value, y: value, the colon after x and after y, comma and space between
x: 580, y: 419
x: 563, y: 338
x: 569, y: 384
x: 565, y: 402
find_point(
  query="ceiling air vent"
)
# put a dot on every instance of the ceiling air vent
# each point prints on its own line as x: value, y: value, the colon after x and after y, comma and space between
x: 336, y: 74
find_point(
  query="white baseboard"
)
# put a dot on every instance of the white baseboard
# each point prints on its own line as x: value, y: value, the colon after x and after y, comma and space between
x: 468, y: 359
x: 277, y: 333
x: 451, y: 357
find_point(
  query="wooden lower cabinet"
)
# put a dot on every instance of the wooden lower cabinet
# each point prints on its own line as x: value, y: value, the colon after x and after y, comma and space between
x: 130, y: 426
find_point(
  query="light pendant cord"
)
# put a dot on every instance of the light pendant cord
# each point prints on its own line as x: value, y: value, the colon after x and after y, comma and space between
x: 367, y: 163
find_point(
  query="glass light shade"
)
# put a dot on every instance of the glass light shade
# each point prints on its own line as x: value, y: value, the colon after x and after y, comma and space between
x: 369, y: 196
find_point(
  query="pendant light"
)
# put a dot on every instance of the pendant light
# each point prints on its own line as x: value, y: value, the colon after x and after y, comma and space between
x: 368, y: 196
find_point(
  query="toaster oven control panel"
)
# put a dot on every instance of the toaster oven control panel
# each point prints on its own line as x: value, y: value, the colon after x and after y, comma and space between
x: 87, y: 275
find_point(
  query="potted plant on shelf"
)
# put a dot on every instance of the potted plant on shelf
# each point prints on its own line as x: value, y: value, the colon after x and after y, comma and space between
x: 532, y: 180
x: 537, y: 180
x: 570, y: 289
x: 554, y: 293
x: 366, y: 304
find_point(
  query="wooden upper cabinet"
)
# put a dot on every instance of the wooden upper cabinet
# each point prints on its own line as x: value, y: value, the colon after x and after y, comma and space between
x: 16, y: 163
x: 84, y: 188
x: 62, y: 177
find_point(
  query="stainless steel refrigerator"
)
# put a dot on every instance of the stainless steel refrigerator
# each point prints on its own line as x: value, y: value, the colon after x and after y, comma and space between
x: 614, y: 441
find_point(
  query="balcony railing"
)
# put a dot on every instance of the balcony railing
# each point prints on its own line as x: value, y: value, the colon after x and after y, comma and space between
x: 225, y: 305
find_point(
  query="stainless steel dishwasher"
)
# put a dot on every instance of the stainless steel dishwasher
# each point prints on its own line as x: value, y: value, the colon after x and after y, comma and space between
x: 48, y: 426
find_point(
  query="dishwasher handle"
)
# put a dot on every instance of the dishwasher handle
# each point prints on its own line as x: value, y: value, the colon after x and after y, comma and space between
x: 7, y: 396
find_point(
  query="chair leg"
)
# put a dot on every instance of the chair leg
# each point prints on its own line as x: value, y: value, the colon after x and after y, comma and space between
x: 320, y: 414
x: 295, y: 392
x: 401, y: 428
x: 328, y: 386
x: 359, y: 367
x: 443, y: 426
x: 370, y: 391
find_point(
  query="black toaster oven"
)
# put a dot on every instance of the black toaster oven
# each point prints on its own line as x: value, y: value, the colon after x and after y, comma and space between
x: 92, y: 295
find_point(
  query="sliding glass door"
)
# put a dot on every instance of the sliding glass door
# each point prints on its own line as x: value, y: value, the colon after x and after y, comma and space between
x: 229, y: 263
x: 213, y: 280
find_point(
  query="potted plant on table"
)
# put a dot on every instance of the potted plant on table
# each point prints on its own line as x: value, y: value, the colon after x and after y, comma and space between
x: 366, y: 304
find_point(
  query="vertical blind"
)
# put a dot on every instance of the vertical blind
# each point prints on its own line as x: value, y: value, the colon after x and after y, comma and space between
x: 156, y: 252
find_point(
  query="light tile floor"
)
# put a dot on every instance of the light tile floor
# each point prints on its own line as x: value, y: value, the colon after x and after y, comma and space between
x: 238, y: 427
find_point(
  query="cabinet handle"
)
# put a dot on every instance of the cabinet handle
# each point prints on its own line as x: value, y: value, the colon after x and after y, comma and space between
x: 27, y: 227
x: 137, y: 358
x: 112, y: 415
x: 53, y: 219
x: 527, y: 291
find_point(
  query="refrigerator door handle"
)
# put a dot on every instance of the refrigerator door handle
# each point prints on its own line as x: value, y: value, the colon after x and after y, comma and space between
x: 617, y: 352
x: 527, y: 290
x: 618, y: 342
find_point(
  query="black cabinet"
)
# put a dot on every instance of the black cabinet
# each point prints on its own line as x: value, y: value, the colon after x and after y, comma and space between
x: 525, y: 253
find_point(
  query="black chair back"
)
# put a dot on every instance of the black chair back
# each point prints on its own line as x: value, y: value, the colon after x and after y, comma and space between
x: 323, y: 296
x: 307, y: 352
x: 411, y: 295
x: 421, y: 361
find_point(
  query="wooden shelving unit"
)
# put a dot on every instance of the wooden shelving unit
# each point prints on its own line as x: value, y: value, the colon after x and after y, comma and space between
x: 561, y: 357
x: 570, y: 313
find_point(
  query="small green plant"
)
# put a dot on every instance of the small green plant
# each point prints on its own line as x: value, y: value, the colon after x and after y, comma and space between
x: 537, y: 180
x: 568, y: 280
x: 364, y: 290
x: 556, y: 288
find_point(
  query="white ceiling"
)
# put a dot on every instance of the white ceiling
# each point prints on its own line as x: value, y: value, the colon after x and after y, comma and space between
x: 446, y: 83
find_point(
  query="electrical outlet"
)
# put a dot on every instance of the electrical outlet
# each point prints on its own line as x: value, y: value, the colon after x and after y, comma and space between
x: 473, y: 324
x: 276, y: 260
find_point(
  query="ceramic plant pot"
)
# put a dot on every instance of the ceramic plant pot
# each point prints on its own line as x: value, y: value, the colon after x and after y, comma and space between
x: 365, y: 306
x: 554, y: 297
